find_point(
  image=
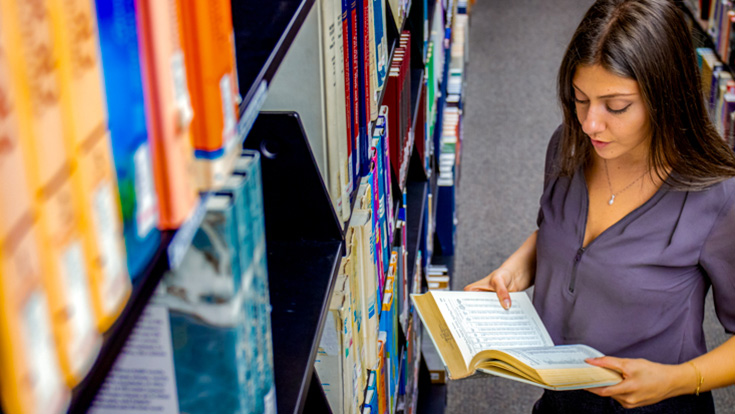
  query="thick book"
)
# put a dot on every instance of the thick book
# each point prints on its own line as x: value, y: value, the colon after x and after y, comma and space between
x: 474, y: 335
x: 88, y: 143
x: 170, y: 114
x: 118, y: 46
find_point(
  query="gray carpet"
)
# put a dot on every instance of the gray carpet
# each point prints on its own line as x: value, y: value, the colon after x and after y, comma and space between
x: 511, y: 110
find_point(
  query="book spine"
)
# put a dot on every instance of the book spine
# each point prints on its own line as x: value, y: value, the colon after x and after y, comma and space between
x: 349, y: 113
x: 170, y: 133
x: 211, y: 67
x: 363, y: 67
x: 27, y: 346
x: 118, y: 46
x: 50, y: 168
x: 358, y: 150
x: 88, y: 140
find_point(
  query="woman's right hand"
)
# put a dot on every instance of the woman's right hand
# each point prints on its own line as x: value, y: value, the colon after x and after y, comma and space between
x: 501, y: 281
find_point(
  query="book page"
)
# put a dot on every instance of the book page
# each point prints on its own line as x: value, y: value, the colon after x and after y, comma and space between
x: 478, y: 322
x: 558, y: 357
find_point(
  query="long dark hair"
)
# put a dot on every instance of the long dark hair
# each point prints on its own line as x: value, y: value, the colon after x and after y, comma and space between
x: 648, y: 41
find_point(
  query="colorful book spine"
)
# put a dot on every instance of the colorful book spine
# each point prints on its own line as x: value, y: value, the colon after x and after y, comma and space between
x: 363, y: 82
x: 65, y: 275
x: 118, y: 39
x: 167, y: 103
x: 88, y: 141
x: 209, y: 46
x: 32, y: 379
x: 350, y: 184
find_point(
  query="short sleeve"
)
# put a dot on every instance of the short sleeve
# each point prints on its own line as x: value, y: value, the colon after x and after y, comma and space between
x: 718, y: 259
x: 550, y: 167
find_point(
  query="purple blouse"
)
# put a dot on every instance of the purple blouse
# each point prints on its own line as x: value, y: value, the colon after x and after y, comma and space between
x: 638, y: 289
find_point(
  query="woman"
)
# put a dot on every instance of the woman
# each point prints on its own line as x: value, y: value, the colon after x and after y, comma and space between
x: 637, y: 217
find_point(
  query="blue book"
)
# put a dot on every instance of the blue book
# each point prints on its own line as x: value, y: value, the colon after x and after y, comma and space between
x: 118, y: 38
x: 208, y: 327
x: 248, y: 165
x: 381, y: 42
x: 349, y: 16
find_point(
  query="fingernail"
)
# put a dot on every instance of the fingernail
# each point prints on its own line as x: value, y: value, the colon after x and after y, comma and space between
x: 506, y: 304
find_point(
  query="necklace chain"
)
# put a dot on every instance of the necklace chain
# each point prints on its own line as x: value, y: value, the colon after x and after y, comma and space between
x: 609, y: 185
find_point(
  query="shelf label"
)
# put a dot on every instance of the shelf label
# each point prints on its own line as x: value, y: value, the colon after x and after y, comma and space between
x: 142, y: 380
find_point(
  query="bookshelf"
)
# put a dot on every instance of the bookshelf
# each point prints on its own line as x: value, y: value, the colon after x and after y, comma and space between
x: 275, y: 50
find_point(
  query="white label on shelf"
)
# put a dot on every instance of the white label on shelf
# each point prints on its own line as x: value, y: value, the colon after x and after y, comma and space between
x: 142, y: 380
x: 228, y: 113
x: 43, y: 368
x: 108, y: 228
x: 145, y: 193
x: 77, y: 304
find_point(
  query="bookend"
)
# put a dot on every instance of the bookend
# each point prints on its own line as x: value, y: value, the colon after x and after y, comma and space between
x: 304, y: 244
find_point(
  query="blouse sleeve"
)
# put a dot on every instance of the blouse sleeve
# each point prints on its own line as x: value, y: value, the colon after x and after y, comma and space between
x: 550, y: 167
x: 718, y: 260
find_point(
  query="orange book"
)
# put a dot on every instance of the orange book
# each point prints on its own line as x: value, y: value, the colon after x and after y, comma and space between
x: 32, y: 58
x: 209, y: 46
x: 169, y: 109
x: 88, y: 141
x: 29, y: 368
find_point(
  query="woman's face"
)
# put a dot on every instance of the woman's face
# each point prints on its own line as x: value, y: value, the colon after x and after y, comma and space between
x: 612, y: 113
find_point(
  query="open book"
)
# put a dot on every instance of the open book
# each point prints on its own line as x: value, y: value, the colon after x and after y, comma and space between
x: 475, y: 335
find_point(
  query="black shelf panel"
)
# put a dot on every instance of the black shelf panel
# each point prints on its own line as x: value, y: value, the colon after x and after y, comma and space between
x: 304, y: 244
x: 114, y: 339
x: 264, y: 30
x: 301, y: 278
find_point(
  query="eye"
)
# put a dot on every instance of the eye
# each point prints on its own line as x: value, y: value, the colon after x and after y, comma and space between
x: 580, y: 101
x: 619, y: 111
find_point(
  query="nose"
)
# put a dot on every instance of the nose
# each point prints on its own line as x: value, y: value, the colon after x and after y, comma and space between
x: 592, y: 121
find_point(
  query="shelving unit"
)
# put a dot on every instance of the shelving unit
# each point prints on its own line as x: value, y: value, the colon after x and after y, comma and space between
x: 305, y: 239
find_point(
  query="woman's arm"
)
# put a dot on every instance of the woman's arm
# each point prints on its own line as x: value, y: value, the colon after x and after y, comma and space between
x: 645, y: 382
x: 515, y: 274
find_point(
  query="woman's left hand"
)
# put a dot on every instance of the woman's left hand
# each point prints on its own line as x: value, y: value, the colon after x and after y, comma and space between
x: 644, y: 382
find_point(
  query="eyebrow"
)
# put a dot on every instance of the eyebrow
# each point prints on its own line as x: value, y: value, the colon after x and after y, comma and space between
x: 608, y: 96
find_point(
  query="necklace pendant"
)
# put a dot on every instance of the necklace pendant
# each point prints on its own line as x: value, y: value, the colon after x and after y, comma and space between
x: 612, y: 199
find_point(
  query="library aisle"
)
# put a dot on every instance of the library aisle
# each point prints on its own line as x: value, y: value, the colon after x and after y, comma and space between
x: 511, y: 111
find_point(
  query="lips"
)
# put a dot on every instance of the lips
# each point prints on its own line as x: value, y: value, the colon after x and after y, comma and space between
x: 599, y: 144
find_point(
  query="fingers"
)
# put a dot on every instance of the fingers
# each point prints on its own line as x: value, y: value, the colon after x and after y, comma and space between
x: 498, y: 284
x: 479, y: 286
x: 615, y: 364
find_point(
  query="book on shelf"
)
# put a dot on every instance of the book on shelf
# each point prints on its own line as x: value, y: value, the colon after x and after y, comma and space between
x: 474, y: 335
x: 335, y: 362
x: 210, y: 316
x: 211, y: 75
x: 118, y: 46
x: 88, y: 141
x: 169, y: 111
x: 335, y: 109
x: 28, y: 34
x: 32, y: 379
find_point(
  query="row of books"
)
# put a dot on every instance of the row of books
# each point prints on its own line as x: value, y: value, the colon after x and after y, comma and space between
x: 354, y: 41
x: 720, y: 18
x: 216, y: 311
x: 106, y: 141
x: 719, y: 92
